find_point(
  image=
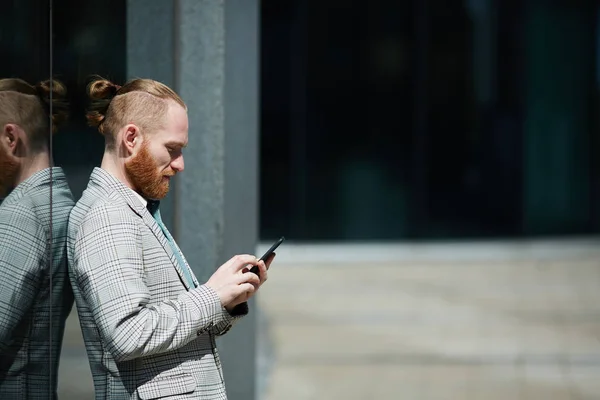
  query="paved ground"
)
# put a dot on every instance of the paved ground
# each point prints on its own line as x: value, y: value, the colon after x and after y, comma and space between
x: 522, y: 328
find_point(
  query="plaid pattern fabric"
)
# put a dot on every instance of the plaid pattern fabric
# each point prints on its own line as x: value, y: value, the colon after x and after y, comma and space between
x: 148, y: 334
x: 153, y: 208
x: 32, y: 315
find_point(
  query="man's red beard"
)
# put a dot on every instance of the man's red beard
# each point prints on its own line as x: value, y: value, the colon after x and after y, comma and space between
x: 145, y: 177
x: 8, y: 174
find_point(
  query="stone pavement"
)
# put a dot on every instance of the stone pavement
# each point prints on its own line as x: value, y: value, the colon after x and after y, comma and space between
x: 494, y: 327
x: 522, y: 329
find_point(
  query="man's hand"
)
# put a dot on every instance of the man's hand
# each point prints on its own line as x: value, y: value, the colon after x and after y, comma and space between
x: 231, y: 283
x: 262, y: 271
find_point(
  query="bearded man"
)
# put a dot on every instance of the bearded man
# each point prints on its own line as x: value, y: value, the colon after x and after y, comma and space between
x: 148, y: 324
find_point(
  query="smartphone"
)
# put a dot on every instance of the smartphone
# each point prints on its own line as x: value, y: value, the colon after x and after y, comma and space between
x: 268, y: 253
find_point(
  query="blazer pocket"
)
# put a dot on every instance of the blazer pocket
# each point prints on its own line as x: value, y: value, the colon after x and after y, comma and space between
x: 167, y: 386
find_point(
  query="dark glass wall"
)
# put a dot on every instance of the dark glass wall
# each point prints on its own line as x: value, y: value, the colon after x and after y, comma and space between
x: 89, y: 39
x: 429, y: 119
x: 32, y: 306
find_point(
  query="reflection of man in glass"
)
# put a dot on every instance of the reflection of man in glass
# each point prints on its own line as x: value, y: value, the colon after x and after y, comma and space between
x: 35, y: 297
x: 148, y: 324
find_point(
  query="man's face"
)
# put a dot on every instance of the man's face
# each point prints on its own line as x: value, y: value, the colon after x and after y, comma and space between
x: 9, y: 164
x: 160, y: 156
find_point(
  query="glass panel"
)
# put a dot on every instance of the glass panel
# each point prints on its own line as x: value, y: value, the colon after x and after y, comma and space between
x: 429, y: 119
x: 30, y: 321
x: 89, y: 39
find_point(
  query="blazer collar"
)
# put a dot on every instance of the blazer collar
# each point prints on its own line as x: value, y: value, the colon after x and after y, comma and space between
x: 108, y: 182
x: 37, y: 180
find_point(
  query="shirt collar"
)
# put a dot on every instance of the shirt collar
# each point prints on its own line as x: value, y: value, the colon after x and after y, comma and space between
x: 150, y: 205
x: 143, y: 200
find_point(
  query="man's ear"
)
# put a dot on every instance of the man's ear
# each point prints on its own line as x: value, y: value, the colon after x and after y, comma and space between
x: 10, y: 137
x: 132, y: 138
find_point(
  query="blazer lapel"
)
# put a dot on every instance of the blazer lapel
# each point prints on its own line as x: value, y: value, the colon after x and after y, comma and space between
x: 162, y: 239
x: 186, y: 265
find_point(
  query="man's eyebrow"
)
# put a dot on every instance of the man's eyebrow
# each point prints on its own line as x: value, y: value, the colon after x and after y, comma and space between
x: 176, y: 144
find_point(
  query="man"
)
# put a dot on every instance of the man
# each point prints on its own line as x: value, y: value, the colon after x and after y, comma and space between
x: 149, y: 326
x: 35, y: 298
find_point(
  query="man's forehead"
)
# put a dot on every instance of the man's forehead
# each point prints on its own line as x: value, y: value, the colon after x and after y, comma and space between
x: 178, y: 118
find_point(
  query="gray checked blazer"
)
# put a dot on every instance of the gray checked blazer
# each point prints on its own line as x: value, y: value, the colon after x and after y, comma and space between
x: 33, y: 314
x: 148, y: 334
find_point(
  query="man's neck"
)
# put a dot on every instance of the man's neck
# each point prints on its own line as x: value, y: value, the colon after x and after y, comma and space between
x: 112, y: 165
x: 35, y: 164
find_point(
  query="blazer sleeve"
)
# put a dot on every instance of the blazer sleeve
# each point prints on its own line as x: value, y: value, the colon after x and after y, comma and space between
x: 109, y: 271
x: 23, y: 261
x: 230, y: 319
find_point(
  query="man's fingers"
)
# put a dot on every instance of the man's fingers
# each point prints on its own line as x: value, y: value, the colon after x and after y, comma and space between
x: 262, y: 268
x: 241, y: 261
x: 270, y: 260
x: 248, y: 277
x: 246, y: 288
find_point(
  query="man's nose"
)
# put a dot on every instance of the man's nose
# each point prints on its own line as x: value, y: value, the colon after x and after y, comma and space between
x: 178, y: 164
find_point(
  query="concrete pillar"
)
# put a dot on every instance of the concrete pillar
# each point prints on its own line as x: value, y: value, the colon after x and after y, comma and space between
x: 207, y: 50
x: 151, y: 54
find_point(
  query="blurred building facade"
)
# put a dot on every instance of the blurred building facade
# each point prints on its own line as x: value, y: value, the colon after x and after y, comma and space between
x: 417, y: 120
x: 391, y: 120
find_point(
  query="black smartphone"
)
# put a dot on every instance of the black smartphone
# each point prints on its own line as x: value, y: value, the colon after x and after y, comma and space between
x: 267, y: 254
